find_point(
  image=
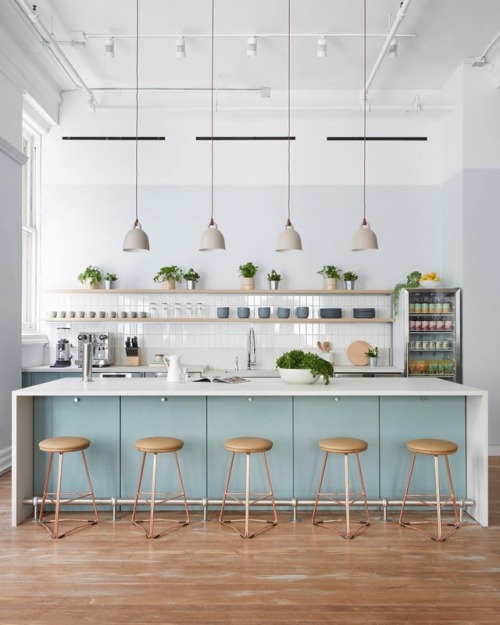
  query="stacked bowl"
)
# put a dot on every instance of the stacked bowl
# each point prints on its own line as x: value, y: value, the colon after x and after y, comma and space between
x: 363, y: 313
x: 330, y: 313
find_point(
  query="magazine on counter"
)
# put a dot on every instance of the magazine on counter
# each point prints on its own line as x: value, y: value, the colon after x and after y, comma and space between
x: 234, y: 379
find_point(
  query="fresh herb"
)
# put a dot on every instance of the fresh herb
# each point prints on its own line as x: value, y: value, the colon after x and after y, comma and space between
x: 111, y: 277
x: 330, y: 271
x: 297, y: 359
x: 248, y: 270
x: 372, y: 352
x: 191, y: 275
x: 350, y: 276
x: 273, y: 276
x: 91, y: 275
x: 169, y: 273
x: 412, y: 282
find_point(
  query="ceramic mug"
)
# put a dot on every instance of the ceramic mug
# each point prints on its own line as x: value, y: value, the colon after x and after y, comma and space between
x: 223, y: 312
x: 283, y: 313
x: 243, y: 312
x: 302, y: 312
x: 264, y: 312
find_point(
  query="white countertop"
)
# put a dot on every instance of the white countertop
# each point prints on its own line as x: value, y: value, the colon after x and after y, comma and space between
x: 262, y: 386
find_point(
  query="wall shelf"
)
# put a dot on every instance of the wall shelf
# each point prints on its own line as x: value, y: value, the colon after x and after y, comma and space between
x: 206, y: 320
x: 219, y: 291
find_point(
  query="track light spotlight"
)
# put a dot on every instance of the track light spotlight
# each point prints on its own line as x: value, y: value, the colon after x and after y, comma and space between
x: 251, y: 46
x: 109, y: 48
x: 180, y: 48
x: 321, y: 50
x: 392, y: 50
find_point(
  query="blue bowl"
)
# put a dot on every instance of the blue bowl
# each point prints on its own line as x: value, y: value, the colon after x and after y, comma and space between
x: 223, y: 312
x: 283, y: 313
x: 302, y: 312
x: 243, y: 312
x: 264, y: 312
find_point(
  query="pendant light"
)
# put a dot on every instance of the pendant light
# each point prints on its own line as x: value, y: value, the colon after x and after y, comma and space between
x: 136, y: 240
x: 212, y: 238
x: 364, y: 238
x: 289, y: 238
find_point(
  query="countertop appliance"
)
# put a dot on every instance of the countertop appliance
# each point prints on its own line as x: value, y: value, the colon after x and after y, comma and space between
x: 102, y: 350
x: 63, y: 348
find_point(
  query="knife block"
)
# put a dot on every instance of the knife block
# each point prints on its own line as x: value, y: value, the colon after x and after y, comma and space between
x: 132, y: 357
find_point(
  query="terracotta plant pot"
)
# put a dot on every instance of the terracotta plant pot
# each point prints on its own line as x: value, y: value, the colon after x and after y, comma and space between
x: 330, y: 284
x: 247, y: 284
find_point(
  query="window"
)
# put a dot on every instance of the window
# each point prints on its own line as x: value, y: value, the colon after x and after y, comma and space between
x: 30, y: 233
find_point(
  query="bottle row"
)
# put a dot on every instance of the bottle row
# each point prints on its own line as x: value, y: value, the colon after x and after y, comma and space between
x: 420, y: 324
x: 431, y: 345
x: 444, y: 367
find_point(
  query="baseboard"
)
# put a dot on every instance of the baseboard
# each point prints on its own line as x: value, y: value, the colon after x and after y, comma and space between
x: 494, y: 450
x: 5, y: 459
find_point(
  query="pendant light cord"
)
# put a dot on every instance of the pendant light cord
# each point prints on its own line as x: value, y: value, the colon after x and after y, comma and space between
x: 137, y: 115
x: 212, y: 120
x: 288, y: 223
x: 365, y: 95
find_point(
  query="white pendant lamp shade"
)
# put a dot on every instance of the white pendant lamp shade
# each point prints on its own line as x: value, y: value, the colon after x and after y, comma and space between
x: 212, y: 238
x: 136, y: 240
x: 288, y: 239
x: 364, y: 238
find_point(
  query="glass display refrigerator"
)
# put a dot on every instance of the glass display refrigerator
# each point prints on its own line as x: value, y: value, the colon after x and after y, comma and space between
x: 432, y: 333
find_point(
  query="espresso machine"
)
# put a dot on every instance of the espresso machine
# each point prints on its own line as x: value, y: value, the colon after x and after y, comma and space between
x: 63, y: 348
x: 102, y: 351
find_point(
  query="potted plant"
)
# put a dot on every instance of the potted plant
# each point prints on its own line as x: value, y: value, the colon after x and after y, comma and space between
x: 247, y: 273
x: 168, y: 276
x: 412, y: 282
x: 191, y: 277
x: 301, y: 367
x: 330, y: 275
x: 109, y: 278
x: 372, y: 354
x: 350, y: 280
x: 91, y: 277
x: 274, y: 278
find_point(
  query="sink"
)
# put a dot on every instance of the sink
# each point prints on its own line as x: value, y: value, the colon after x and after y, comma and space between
x: 254, y: 373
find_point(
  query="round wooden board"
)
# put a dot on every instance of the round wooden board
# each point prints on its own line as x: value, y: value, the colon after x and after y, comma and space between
x: 356, y: 352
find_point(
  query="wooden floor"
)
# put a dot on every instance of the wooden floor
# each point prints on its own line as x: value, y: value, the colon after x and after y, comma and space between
x: 205, y: 574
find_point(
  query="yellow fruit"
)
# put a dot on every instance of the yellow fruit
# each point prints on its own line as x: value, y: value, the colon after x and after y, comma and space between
x: 437, y: 278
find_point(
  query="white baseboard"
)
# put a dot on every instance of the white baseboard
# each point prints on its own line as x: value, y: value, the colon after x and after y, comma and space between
x: 5, y: 459
x: 494, y: 450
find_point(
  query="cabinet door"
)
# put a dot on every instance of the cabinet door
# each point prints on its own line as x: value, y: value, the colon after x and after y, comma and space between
x: 95, y: 418
x: 328, y: 417
x: 31, y: 378
x: 180, y: 417
x: 406, y: 418
x: 267, y: 417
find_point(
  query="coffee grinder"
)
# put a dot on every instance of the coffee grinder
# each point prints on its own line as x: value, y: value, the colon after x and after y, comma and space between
x: 63, y: 348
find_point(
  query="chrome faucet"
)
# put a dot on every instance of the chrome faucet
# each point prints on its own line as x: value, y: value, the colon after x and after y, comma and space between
x: 251, y: 349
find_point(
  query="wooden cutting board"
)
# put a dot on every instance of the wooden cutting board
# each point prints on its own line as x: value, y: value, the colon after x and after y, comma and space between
x: 356, y: 352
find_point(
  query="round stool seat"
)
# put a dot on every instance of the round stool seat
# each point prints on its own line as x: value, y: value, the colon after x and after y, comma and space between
x: 248, y: 444
x: 343, y: 445
x: 432, y: 446
x: 61, y: 444
x: 159, y: 444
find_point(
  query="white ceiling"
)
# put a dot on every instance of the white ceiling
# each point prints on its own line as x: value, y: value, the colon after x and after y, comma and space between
x: 447, y: 32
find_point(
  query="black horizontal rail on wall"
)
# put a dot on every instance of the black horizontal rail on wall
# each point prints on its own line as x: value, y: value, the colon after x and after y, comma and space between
x: 376, y: 138
x: 245, y: 138
x: 113, y: 138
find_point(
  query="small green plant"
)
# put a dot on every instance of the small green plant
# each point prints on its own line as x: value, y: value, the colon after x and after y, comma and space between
x: 169, y: 273
x: 412, y: 282
x: 330, y: 271
x: 372, y: 352
x: 111, y: 277
x: 248, y: 270
x: 350, y: 276
x: 273, y: 276
x: 297, y: 359
x: 91, y: 275
x: 191, y: 275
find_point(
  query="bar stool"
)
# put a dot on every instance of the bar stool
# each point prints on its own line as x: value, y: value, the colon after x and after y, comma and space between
x: 248, y: 445
x: 347, y: 447
x: 158, y: 445
x: 62, y: 445
x: 438, y: 448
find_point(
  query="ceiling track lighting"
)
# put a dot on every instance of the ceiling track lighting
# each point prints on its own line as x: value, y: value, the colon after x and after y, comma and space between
x: 392, y: 50
x: 109, y: 48
x: 251, y: 46
x: 212, y: 238
x: 321, y: 50
x: 136, y: 240
x: 364, y: 238
x: 180, y: 48
x: 289, y: 238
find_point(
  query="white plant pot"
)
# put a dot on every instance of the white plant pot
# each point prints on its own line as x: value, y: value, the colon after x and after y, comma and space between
x: 190, y: 285
x: 109, y: 284
x: 89, y: 285
x: 373, y: 361
x: 247, y: 284
x: 330, y: 284
x: 168, y: 285
x: 298, y: 376
x: 274, y: 285
x: 350, y: 285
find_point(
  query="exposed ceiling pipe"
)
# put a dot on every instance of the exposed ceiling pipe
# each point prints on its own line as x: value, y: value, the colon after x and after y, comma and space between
x: 401, y: 14
x: 48, y: 40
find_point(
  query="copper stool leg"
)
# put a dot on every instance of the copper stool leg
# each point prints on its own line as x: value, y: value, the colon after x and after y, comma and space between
x: 248, y: 502
x: 172, y: 524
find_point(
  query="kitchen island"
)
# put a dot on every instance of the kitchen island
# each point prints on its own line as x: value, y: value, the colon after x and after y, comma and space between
x: 386, y: 412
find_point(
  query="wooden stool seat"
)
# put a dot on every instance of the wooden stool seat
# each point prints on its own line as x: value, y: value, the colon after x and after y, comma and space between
x: 343, y: 445
x: 159, y: 445
x: 346, y: 446
x: 438, y: 448
x: 62, y: 445
x: 432, y: 446
x: 248, y: 445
